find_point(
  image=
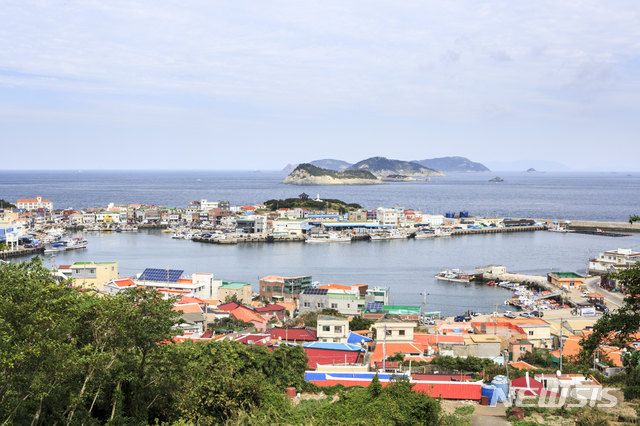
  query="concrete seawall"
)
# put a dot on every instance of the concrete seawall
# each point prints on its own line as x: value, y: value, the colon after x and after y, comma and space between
x: 588, y: 225
x: 497, y: 230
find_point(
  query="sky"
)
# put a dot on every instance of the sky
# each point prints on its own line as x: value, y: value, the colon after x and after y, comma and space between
x: 162, y: 84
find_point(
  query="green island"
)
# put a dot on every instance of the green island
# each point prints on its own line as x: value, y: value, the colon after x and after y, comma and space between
x: 306, y: 203
x: 347, y: 174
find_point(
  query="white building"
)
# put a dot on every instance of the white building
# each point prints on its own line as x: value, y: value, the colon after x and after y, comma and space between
x: 386, y: 216
x: 434, y: 220
x: 615, y: 259
x: 34, y: 204
x: 333, y: 329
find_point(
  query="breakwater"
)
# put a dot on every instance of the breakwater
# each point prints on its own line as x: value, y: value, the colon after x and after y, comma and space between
x: 589, y: 225
x: 249, y: 238
x: 497, y: 230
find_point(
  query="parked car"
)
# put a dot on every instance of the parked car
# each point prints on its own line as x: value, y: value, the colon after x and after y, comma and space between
x: 537, y: 314
x: 584, y: 294
x: 600, y: 307
x: 510, y: 314
x: 429, y: 321
x: 527, y: 315
x: 461, y: 318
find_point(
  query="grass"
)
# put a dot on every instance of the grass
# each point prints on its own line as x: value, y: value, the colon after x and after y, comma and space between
x: 465, y: 411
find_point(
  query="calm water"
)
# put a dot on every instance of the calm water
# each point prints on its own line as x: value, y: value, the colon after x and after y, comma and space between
x: 407, y: 267
x: 587, y: 196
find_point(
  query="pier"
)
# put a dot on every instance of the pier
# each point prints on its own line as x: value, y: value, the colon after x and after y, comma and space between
x: 248, y: 238
x: 497, y: 230
x: 21, y: 252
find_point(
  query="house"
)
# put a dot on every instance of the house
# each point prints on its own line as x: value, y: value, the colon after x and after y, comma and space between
x: 528, y: 386
x: 321, y: 353
x: 572, y: 385
x: 32, y: 204
x: 518, y: 348
x: 93, y: 274
x: 249, y: 316
x: 391, y: 328
x: 200, y: 285
x: 567, y: 280
x: 242, y: 291
x: 346, y: 301
x: 333, y: 329
x: 117, y: 286
x: 613, y: 259
x: 292, y: 335
x: 283, y: 289
x: 272, y: 311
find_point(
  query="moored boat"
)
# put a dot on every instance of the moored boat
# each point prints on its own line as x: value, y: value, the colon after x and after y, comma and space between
x: 453, y: 275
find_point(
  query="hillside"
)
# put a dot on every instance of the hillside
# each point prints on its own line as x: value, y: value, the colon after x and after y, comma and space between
x: 453, y: 164
x: 381, y: 166
x: 308, y: 174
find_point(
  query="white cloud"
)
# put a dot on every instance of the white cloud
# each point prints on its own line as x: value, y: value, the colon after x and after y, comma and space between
x: 451, y: 62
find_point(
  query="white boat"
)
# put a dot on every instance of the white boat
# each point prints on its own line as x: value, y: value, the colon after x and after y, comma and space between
x: 453, y: 275
x: 387, y: 235
x: 331, y: 237
x: 425, y: 234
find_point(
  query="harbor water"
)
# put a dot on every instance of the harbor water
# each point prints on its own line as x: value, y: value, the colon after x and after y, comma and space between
x: 406, y: 266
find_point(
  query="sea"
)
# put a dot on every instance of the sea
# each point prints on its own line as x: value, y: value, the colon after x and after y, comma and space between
x: 407, y: 267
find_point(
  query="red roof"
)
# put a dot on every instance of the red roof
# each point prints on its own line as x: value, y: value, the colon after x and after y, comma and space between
x: 64, y: 267
x: 529, y: 386
x: 246, y: 315
x: 31, y: 200
x: 270, y: 308
x: 302, y: 334
x: 394, y: 348
x: 228, y: 307
x: 187, y: 308
x: 124, y: 282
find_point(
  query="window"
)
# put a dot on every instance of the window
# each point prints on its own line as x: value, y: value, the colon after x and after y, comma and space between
x: 336, y: 340
x: 400, y: 332
x: 269, y: 288
x: 337, y: 329
x: 326, y: 328
x: 388, y: 332
x: 264, y: 288
x: 307, y: 304
x: 334, y: 305
x: 320, y: 305
x: 523, y: 348
x: 531, y: 333
x: 348, y: 305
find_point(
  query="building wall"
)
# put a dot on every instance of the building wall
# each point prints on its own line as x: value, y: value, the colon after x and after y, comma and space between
x: 397, y: 331
x: 334, y: 330
x: 242, y: 293
x: 94, y: 275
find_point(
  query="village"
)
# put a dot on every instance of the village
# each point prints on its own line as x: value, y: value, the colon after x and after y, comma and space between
x: 352, y: 333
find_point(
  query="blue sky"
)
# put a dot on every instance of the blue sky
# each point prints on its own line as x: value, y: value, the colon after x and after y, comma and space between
x: 256, y: 85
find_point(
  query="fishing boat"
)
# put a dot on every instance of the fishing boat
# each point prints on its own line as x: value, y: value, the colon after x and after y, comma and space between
x: 453, y: 275
x: 330, y: 237
x: 387, y: 235
x: 425, y: 234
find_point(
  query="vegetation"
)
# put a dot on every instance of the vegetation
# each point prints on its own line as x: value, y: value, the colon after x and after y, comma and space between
x: 634, y: 218
x: 347, y: 174
x: 328, y: 204
x: 6, y: 205
x: 621, y: 326
x: 383, y: 165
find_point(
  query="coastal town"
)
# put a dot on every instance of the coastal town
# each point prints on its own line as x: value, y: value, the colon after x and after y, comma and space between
x: 351, y: 333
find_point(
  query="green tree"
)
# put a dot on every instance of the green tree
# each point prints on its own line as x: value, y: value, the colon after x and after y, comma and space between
x: 634, y: 218
x: 6, y: 205
x: 232, y: 298
x: 359, y: 323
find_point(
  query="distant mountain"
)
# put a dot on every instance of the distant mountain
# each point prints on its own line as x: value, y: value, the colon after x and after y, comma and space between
x: 381, y: 166
x: 327, y: 163
x: 337, y: 165
x: 453, y: 164
x: 289, y: 168
x: 520, y: 165
x: 308, y: 174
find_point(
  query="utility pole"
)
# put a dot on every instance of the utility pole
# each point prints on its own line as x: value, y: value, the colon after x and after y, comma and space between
x: 424, y: 306
x: 561, y: 345
x: 384, y: 350
x: 506, y: 365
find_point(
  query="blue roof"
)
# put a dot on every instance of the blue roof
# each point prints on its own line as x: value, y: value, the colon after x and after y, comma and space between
x: 333, y: 346
x: 357, y: 338
x: 322, y: 215
x: 307, y: 227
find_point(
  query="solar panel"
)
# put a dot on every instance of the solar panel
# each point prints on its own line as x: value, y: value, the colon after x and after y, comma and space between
x: 316, y: 291
x: 374, y: 306
x: 161, y: 275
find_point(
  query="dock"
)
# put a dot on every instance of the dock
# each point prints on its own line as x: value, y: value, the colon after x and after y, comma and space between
x: 21, y: 252
x: 248, y: 238
x: 497, y: 230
